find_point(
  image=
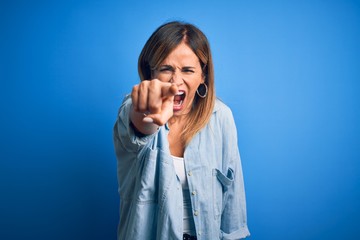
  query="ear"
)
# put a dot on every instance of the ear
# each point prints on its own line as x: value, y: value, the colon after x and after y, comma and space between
x: 203, y: 78
x: 203, y: 75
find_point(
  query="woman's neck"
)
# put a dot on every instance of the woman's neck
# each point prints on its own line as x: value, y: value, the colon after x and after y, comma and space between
x: 176, y: 143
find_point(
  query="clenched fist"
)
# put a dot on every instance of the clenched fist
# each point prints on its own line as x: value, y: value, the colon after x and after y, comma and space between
x: 153, y: 102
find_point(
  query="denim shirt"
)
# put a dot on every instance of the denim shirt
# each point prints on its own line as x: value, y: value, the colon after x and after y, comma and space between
x: 151, y: 202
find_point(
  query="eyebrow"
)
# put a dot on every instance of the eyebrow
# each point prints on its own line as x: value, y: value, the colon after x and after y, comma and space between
x: 165, y: 66
x: 169, y: 66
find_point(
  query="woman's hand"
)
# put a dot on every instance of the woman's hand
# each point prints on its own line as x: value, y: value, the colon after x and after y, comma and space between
x: 152, y: 103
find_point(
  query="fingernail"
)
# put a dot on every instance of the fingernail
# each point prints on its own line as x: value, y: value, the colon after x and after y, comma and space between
x: 148, y: 120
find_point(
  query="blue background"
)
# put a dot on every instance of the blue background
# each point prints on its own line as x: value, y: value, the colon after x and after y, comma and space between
x: 290, y: 71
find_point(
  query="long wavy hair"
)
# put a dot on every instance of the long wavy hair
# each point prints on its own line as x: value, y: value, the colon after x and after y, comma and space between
x: 160, y: 44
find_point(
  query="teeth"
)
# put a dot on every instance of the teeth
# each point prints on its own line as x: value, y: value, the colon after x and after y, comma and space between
x: 179, y: 104
x: 179, y: 99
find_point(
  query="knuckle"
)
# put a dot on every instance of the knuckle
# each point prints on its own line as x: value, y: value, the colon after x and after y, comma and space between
x: 142, y: 86
x: 142, y: 108
x: 135, y: 88
x: 134, y: 92
x: 154, y: 83
x: 154, y: 107
x: 152, y: 90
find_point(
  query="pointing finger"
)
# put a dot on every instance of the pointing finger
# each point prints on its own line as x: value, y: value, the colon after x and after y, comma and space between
x: 169, y: 90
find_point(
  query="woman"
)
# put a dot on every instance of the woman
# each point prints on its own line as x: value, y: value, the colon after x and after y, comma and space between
x: 179, y: 169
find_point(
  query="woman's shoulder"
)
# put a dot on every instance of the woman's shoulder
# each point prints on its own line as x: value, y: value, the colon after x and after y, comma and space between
x: 223, y: 119
x: 222, y: 114
x: 221, y: 108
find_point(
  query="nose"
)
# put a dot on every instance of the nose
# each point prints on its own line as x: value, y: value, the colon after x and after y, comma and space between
x: 177, y: 78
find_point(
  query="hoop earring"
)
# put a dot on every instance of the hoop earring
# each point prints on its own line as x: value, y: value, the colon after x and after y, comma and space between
x: 204, y: 94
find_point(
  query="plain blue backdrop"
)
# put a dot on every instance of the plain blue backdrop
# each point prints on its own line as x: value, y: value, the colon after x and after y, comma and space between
x: 290, y: 71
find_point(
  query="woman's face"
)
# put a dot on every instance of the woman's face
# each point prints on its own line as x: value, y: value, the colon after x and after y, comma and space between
x: 181, y: 67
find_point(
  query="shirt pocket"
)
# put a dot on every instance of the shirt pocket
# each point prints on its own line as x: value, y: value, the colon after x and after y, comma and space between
x: 220, y: 185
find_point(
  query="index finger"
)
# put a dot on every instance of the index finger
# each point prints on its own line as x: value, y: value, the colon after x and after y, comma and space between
x: 169, y: 90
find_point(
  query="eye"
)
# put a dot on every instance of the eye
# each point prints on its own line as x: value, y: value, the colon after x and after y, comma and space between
x: 188, y: 70
x: 166, y: 69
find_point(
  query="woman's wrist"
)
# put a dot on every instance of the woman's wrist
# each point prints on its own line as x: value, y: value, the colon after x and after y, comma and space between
x: 141, y: 127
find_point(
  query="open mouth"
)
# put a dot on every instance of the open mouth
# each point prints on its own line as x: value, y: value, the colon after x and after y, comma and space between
x: 179, y: 100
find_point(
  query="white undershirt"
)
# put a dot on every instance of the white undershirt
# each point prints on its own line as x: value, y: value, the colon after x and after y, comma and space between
x: 188, y: 221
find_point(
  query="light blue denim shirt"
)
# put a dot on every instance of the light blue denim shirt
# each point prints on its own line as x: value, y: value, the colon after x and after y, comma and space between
x: 151, y: 203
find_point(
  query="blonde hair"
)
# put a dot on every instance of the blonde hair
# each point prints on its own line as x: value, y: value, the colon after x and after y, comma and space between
x: 165, y: 39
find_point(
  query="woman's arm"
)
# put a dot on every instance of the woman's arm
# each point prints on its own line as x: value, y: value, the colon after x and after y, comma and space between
x: 233, y: 218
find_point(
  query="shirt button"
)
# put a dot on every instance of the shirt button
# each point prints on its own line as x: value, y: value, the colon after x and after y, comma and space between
x: 196, y: 213
x: 199, y: 233
x: 189, y: 173
x: 193, y: 192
